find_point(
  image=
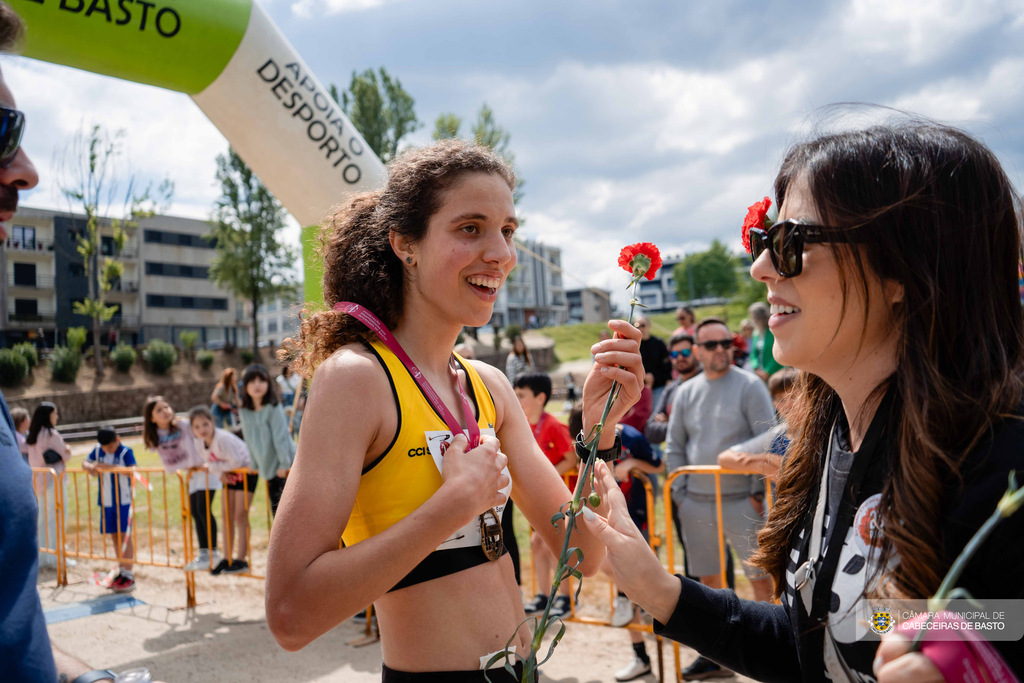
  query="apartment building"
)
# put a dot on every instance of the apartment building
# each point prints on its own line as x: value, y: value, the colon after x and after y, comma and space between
x: 278, y: 319
x: 659, y: 294
x: 589, y: 305
x: 165, y: 289
x: 533, y: 294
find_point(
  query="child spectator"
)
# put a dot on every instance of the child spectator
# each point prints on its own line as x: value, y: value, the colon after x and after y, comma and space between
x: 637, y: 455
x: 172, y: 438
x: 45, y: 448
x: 533, y: 391
x: 223, y: 452
x: 21, y: 423
x: 115, y: 498
x: 265, y: 427
x: 225, y: 398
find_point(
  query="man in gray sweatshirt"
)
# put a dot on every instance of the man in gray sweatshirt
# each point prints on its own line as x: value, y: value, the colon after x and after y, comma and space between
x: 724, y: 406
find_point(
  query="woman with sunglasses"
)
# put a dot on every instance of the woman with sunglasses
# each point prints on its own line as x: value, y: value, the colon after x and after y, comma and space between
x: 387, y: 503
x: 892, y: 277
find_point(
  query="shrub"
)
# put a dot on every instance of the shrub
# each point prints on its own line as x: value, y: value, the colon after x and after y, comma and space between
x: 205, y: 359
x: 28, y: 350
x: 247, y: 356
x: 64, y: 363
x: 160, y: 355
x: 76, y: 338
x: 13, y: 367
x: 124, y: 357
x: 188, y: 342
x: 512, y: 331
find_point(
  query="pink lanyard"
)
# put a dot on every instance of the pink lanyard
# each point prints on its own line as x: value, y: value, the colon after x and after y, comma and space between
x: 364, y: 316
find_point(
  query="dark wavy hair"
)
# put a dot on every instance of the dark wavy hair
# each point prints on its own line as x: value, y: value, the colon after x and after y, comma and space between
x: 40, y: 421
x: 944, y: 221
x: 359, y: 264
x: 251, y: 373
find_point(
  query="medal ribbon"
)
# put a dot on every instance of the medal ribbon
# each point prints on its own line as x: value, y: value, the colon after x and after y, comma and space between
x: 363, y: 315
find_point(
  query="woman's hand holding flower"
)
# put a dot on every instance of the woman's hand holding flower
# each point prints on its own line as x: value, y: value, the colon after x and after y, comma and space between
x: 616, y: 360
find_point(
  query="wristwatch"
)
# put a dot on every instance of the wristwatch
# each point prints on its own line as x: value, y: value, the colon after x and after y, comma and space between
x: 608, y: 455
x: 90, y: 676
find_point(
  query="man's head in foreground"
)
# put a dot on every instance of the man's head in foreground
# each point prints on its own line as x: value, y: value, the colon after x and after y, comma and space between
x: 16, y: 169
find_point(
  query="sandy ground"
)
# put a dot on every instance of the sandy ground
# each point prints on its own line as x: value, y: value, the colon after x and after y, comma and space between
x: 226, y: 638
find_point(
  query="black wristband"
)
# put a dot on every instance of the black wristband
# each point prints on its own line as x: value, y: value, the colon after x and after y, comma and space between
x: 96, y: 675
x: 609, y: 455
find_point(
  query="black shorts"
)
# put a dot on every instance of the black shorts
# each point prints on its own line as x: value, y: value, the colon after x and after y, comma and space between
x: 250, y: 483
x: 497, y: 675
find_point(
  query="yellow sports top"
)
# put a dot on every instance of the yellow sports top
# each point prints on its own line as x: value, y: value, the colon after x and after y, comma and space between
x: 409, y: 471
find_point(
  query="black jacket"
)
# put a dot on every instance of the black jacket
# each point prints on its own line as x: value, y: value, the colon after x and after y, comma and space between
x: 771, y: 642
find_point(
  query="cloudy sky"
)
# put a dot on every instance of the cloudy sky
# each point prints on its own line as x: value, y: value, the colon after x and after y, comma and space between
x: 630, y: 120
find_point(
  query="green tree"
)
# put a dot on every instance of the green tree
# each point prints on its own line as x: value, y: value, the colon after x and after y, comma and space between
x: 251, y: 262
x: 380, y: 109
x: 447, y: 126
x: 88, y: 179
x: 713, y: 273
x: 488, y: 133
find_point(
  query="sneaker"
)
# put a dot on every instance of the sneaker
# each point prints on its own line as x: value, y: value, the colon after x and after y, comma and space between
x: 215, y: 560
x: 220, y: 568
x: 236, y: 567
x: 622, y: 613
x: 107, y: 580
x: 202, y: 561
x: 561, y: 607
x: 634, y: 669
x: 537, y: 605
x: 123, y: 583
x: 704, y: 668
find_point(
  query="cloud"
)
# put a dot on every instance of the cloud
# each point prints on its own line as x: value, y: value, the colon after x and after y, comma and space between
x: 306, y: 9
x: 983, y: 97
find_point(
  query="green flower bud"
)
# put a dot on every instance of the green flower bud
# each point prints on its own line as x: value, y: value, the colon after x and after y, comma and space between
x: 595, y: 500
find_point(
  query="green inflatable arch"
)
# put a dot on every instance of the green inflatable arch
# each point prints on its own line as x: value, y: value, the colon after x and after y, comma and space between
x: 231, y: 59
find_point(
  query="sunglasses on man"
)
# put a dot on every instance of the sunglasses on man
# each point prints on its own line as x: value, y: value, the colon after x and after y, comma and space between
x: 785, y: 242
x: 685, y: 353
x: 12, y: 127
x: 726, y: 344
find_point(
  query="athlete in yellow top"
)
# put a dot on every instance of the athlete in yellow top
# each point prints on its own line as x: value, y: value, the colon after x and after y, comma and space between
x: 427, y: 255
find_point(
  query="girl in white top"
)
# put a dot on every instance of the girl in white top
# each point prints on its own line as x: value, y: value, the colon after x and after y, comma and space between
x: 43, y: 437
x: 223, y: 453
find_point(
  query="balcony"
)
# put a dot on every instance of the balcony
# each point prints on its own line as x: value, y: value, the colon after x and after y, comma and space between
x: 32, y: 245
x: 30, y: 319
x: 122, y: 321
x: 36, y: 283
x: 125, y: 287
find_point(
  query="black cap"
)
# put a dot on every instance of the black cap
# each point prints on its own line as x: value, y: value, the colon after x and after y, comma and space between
x: 106, y: 436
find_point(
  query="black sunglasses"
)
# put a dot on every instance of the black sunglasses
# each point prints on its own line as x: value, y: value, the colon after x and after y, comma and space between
x: 786, y: 239
x: 685, y: 353
x: 12, y: 127
x: 726, y: 344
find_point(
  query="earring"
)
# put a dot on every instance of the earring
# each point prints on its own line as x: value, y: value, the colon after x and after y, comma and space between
x: 408, y: 259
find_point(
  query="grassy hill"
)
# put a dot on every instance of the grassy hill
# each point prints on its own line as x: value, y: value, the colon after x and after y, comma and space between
x: 573, y: 342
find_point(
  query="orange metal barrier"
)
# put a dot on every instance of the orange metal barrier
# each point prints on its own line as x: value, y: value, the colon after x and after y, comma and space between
x: 153, y: 504
x: 227, y: 517
x: 48, y: 487
x: 716, y: 472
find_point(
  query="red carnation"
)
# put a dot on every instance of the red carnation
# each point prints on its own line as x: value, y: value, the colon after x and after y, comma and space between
x: 645, y: 249
x: 756, y: 215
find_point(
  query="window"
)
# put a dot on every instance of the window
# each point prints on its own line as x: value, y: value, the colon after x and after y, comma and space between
x: 177, y: 270
x: 26, y: 307
x: 25, y: 274
x: 195, y: 302
x: 24, y: 237
x: 76, y: 269
x: 107, y: 246
x: 181, y: 239
x: 271, y: 308
x: 272, y: 326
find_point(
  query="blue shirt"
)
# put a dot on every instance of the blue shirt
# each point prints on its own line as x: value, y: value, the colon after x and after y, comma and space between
x: 122, y: 457
x: 635, y: 445
x: 25, y: 653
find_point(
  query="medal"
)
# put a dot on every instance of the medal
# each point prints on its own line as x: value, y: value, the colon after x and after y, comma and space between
x: 492, y: 539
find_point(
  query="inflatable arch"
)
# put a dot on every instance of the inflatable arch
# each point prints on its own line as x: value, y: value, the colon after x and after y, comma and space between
x: 230, y: 58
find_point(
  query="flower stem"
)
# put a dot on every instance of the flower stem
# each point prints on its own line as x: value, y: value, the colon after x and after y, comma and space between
x: 577, y: 504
